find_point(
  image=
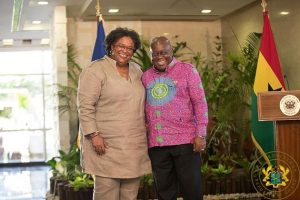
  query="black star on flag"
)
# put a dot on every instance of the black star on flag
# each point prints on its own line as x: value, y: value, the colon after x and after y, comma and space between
x: 271, y: 89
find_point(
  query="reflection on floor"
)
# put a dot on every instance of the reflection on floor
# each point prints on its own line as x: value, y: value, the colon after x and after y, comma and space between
x: 24, y: 183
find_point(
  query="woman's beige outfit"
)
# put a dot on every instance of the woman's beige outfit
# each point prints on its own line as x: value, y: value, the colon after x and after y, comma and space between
x: 114, y: 107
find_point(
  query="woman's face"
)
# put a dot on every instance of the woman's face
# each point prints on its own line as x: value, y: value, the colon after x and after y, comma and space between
x: 122, y: 50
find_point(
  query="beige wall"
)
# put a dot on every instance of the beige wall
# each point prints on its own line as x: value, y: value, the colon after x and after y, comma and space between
x: 286, y: 31
x: 198, y: 35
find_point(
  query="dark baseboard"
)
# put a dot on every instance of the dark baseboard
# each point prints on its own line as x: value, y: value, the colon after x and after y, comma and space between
x: 25, y: 164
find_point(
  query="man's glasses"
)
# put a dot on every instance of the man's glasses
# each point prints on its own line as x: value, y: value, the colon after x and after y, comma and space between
x: 123, y: 47
x: 160, y: 53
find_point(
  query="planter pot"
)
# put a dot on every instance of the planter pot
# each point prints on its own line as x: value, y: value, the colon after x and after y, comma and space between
x: 237, y: 182
x: 62, y: 190
x: 54, y: 181
x: 86, y: 194
x: 147, y: 192
x: 81, y: 194
x: 71, y: 194
x: 140, y: 192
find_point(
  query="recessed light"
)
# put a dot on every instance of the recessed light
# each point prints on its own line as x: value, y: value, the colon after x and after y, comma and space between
x: 166, y: 34
x: 113, y: 10
x: 206, y: 11
x: 27, y: 41
x: 45, y: 41
x: 284, y: 12
x: 7, y: 42
x: 42, y: 2
x: 36, y: 22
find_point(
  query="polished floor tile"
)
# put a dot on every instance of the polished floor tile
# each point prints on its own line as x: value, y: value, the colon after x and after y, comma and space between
x: 24, y: 183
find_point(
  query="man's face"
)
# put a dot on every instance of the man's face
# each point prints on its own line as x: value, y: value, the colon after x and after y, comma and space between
x: 161, y: 55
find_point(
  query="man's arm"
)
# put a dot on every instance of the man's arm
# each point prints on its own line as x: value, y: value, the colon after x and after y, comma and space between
x: 198, y: 100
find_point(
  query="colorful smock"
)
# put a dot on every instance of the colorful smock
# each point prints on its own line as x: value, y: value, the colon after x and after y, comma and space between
x: 176, y: 108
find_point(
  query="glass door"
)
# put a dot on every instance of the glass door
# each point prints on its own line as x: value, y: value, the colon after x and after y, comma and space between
x: 27, y: 107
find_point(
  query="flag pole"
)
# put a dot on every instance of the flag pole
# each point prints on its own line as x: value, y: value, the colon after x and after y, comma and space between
x: 99, y: 48
x: 264, y: 5
x: 98, y: 13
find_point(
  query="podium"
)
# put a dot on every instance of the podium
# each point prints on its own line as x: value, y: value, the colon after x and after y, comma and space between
x: 283, y: 108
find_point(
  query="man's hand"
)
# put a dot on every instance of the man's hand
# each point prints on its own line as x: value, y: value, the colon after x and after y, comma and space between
x: 199, y: 143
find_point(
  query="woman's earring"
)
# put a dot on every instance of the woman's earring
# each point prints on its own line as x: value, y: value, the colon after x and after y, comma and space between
x: 111, y: 52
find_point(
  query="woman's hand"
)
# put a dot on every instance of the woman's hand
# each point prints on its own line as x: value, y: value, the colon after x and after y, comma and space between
x: 199, y: 143
x: 99, y: 144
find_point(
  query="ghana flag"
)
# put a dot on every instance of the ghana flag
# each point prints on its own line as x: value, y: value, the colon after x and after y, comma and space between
x: 268, y: 78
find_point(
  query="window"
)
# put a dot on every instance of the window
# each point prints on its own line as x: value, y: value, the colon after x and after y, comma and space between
x: 27, y: 108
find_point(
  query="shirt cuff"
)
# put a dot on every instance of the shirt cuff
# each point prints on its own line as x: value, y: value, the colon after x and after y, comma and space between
x: 201, y: 131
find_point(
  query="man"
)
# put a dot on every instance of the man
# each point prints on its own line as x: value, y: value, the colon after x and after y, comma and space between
x: 176, y: 111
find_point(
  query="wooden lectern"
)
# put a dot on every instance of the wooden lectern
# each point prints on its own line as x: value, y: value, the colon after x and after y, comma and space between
x: 283, y: 108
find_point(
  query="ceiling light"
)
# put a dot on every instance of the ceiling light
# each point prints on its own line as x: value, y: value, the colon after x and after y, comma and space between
x: 7, y: 42
x: 284, y: 12
x: 45, y: 41
x: 205, y: 11
x: 36, y: 22
x: 166, y: 34
x: 42, y: 2
x: 27, y: 41
x: 113, y: 10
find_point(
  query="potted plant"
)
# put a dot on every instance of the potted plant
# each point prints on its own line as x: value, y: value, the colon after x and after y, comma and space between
x: 81, y: 187
x: 228, y: 85
x: 147, y: 187
x: 63, y: 168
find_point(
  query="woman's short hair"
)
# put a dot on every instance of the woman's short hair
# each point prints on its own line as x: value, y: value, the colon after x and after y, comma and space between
x: 118, y: 33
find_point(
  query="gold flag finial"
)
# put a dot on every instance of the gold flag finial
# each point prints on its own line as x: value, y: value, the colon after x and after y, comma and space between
x: 98, y: 13
x: 264, y: 5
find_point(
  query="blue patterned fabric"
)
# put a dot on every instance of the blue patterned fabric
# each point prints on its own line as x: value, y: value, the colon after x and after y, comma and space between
x: 161, y: 91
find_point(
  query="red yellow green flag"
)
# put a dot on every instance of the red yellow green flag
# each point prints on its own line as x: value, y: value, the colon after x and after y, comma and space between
x: 268, y: 78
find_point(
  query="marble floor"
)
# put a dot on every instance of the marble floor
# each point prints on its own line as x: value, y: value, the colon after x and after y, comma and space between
x: 24, y: 183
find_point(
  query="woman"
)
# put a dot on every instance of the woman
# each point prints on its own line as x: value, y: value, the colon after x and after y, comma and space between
x: 111, y: 113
